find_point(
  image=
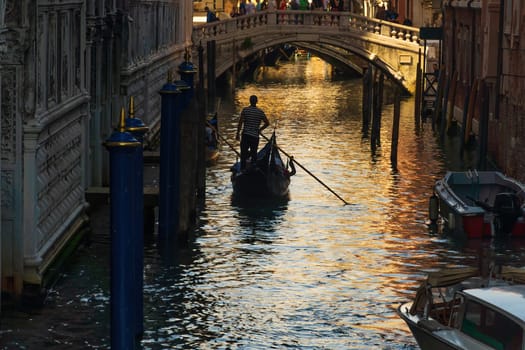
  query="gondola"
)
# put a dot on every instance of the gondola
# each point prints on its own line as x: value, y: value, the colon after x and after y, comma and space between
x: 268, y: 177
x: 212, y: 140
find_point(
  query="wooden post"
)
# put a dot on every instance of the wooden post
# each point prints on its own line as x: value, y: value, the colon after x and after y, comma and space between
x: 375, y: 88
x: 210, y: 46
x: 470, y: 113
x: 438, y: 104
x: 378, y: 104
x: 442, y: 119
x: 367, y: 99
x: 418, y: 103
x: 201, y: 110
x: 483, y: 126
x: 464, y: 120
x: 234, y: 68
x: 395, y: 128
x: 452, y: 99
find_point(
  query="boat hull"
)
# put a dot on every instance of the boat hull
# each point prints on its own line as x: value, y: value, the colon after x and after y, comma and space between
x: 267, y: 177
x: 431, y: 335
x: 460, y: 308
x: 258, y: 183
x: 468, y: 204
x: 424, y: 337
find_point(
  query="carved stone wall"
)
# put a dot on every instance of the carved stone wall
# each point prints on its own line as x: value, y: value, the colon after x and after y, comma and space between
x: 67, y: 68
x: 11, y: 172
x: 155, y: 35
x: 44, y: 112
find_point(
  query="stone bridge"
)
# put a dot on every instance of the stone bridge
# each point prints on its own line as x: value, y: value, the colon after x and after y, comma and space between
x: 355, y: 41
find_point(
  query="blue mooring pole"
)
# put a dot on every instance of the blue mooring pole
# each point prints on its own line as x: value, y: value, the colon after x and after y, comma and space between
x: 137, y: 129
x: 181, y: 102
x: 169, y: 154
x: 185, y: 97
x: 187, y: 73
x: 122, y: 146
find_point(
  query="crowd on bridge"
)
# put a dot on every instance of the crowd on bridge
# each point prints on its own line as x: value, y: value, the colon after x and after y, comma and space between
x: 384, y: 10
x: 246, y: 7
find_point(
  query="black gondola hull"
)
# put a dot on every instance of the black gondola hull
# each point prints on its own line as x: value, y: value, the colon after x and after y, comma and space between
x: 267, y: 178
x: 258, y: 183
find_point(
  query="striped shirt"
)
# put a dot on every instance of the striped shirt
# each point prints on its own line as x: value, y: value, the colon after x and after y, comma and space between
x: 252, y: 120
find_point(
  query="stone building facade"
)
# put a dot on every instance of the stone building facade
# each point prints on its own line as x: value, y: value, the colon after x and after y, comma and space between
x: 67, y: 67
x: 482, y: 49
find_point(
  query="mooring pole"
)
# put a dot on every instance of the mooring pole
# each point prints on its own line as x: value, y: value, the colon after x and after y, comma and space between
x: 470, y: 113
x: 366, y: 100
x: 438, y: 103
x: 200, y: 85
x: 464, y: 120
x: 395, y: 128
x: 122, y: 146
x: 169, y: 154
x: 136, y: 127
x: 234, y: 65
x: 377, y: 110
x: 419, y: 91
x: 210, y: 46
x: 187, y: 72
x: 483, y: 125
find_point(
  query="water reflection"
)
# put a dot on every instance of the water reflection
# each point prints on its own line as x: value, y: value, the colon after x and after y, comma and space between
x: 309, y: 272
x: 265, y: 212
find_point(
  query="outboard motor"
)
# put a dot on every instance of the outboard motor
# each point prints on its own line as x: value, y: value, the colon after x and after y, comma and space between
x: 507, y: 210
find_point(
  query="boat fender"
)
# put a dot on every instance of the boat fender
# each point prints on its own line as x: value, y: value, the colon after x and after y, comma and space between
x: 433, y: 208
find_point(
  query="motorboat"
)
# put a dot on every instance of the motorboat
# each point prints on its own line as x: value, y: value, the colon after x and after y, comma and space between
x: 472, y: 204
x: 459, y: 309
x: 268, y: 176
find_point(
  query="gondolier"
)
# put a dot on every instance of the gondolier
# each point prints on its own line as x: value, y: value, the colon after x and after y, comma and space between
x: 249, y: 122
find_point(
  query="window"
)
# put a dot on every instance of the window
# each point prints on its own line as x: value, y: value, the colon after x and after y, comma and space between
x: 491, y: 327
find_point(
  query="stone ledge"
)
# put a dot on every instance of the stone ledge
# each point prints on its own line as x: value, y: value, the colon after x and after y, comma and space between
x: 100, y: 195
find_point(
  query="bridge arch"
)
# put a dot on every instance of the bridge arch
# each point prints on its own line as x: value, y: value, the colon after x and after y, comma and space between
x: 348, y: 38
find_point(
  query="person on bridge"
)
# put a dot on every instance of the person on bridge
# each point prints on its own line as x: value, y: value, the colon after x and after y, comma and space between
x: 250, y: 121
x: 210, y: 15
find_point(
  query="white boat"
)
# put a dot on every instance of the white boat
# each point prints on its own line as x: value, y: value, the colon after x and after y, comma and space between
x: 458, y: 309
x: 474, y: 204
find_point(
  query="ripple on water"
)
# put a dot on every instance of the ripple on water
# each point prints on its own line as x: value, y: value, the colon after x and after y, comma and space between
x: 308, y: 272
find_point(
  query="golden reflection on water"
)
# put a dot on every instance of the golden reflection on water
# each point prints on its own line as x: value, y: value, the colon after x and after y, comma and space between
x: 326, y: 262
x: 349, y: 263
x: 308, y: 272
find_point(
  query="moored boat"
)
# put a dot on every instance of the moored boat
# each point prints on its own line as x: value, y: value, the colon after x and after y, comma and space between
x: 268, y: 177
x: 212, y: 140
x: 474, y: 204
x: 459, y: 309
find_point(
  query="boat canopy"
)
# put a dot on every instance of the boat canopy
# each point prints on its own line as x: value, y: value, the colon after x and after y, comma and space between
x: 438, y: 279
x: 448, y: 277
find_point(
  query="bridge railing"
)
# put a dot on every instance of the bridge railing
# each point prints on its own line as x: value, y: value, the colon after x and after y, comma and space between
x: 339, y: 21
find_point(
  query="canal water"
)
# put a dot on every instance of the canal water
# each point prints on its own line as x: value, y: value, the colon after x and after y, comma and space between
x: 309, y: 272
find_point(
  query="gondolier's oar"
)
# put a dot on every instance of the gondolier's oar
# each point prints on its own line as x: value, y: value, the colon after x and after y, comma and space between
x: 309, y: 172
x: 225, y: 141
